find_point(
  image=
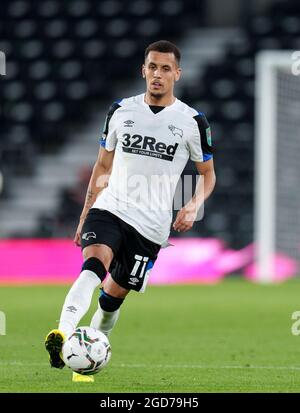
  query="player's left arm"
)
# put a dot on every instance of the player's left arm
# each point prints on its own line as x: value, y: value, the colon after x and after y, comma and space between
x: 187, y: 215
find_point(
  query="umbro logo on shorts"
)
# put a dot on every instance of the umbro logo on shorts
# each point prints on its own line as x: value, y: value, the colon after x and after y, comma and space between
x: 133, y: 281
x: 88, y: 235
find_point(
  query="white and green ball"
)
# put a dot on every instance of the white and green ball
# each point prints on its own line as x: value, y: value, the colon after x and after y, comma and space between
x: 86, y: 351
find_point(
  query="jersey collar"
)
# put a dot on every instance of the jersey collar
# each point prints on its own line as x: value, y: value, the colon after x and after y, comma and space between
x: 165, y: 108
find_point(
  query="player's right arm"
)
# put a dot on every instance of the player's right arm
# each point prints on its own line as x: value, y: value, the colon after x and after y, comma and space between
x: 98, y: 181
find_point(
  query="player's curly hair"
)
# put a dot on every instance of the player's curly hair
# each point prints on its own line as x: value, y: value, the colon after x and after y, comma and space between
x: 164, y: 46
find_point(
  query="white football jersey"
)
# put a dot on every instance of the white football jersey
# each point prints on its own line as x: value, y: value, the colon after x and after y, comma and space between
x: 151, y: 151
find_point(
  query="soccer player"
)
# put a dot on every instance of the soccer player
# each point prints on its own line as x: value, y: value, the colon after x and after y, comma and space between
x: 122, y: 230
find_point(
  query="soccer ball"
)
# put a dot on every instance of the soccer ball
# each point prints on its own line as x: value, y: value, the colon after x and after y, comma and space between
x: 86, y: 351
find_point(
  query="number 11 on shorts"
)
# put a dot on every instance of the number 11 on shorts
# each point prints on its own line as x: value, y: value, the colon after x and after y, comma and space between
x: 139, y: 260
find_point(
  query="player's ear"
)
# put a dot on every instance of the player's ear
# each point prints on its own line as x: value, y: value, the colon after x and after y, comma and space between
x: 178, y: 74
x: 143, y: 71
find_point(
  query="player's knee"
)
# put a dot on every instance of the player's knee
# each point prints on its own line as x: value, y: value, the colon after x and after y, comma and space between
x: 95, y: 265
x: 100, y: 251
x: 109, y: 303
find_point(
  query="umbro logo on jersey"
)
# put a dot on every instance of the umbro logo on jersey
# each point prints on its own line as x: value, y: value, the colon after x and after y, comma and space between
x: 148, y: 146
x: 128, y: 123
x: 176, y: 131
x: 88, y: 235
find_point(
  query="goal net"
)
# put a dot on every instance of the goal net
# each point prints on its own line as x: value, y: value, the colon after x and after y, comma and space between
x: 277, y: 159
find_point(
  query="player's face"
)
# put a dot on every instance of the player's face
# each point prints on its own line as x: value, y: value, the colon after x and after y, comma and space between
x: 161, y: 72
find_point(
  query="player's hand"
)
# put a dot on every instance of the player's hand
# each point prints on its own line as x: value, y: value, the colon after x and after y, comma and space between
x: 185, y: 217
x: 77, y: 237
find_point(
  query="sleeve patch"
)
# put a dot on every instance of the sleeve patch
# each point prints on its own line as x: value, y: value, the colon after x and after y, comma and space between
x: 208, y: 136
x: 205, y: 133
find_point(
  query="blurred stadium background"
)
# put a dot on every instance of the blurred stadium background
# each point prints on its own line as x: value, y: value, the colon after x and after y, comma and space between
x: 66, y: 62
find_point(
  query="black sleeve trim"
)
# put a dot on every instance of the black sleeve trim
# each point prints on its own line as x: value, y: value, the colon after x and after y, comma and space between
x: 204, y: 130
x: 111, y: 111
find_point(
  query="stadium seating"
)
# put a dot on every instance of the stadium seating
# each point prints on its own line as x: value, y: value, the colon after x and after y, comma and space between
x: 62, y: 55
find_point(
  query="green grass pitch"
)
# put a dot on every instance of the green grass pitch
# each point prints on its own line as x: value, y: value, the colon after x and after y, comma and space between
x: 231, y: 337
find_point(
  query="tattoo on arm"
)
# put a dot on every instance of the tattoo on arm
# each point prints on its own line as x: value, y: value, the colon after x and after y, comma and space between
x: 89, y: 198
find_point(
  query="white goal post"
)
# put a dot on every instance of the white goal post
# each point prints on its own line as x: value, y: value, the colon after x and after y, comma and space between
x: 277, y: 159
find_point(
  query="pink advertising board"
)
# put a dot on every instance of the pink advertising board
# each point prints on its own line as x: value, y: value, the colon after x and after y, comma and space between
x: 189, y: 260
